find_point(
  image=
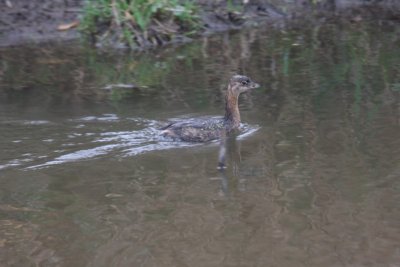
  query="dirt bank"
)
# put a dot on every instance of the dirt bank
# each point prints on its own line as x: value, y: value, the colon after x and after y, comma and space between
x: 27, y: 21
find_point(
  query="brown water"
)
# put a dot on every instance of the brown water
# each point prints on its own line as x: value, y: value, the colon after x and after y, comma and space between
x: 86, y: 180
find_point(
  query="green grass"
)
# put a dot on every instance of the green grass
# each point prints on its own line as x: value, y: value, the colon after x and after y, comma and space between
x: 140, y: 22
x: 231, y: 6
x: 95, y: 12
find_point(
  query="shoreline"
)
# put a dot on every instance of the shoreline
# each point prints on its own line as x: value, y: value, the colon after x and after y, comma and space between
x: 25, y: 22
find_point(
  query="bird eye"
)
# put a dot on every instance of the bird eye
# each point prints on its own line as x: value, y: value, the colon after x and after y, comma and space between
x: 245, y: 82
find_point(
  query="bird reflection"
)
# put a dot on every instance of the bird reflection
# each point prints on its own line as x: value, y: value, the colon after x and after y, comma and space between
x: 229, y: 150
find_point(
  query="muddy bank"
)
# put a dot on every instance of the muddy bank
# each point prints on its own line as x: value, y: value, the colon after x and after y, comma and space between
x: 26, y: 21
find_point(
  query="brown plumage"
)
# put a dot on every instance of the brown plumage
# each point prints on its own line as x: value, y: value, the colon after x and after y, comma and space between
x: 206, y: 129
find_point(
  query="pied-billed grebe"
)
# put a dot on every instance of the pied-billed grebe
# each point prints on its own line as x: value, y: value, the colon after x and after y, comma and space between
x: 203, y: 130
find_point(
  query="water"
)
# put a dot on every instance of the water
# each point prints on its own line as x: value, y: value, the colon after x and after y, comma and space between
x: 85, y: 179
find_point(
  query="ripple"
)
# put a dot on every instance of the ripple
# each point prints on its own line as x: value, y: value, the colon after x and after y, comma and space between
x: 86, y: 142
x: 25, y: 122
x: 76, y: 156
x: 15, y: 162
x: 38, y: 122
x: 104, y: 117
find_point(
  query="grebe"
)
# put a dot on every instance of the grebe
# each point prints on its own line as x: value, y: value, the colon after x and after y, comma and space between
x: 203, y: 130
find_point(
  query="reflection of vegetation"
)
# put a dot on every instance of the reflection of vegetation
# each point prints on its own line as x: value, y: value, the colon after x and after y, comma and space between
x: 85, y: 74
x: 347, y: 79
x: 286, y: 62
x: 353, y: 60
x: 142, y: 70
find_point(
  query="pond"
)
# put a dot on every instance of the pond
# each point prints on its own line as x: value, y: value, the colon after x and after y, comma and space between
x: 86, y: 179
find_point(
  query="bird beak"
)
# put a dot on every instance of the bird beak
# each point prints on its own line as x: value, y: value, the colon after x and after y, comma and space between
x: 254, y: 85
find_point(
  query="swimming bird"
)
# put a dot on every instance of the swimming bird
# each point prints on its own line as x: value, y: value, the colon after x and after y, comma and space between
x: 207, y: 129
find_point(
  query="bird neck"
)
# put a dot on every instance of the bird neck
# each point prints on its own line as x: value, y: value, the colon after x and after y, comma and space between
x: 232, y: 115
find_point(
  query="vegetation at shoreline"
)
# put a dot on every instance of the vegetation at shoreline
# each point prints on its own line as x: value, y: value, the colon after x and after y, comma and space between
x: 140, y: 23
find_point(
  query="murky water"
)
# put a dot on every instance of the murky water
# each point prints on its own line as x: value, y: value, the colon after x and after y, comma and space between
x: 85, y: 179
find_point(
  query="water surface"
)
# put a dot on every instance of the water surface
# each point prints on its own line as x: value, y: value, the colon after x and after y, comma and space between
x: 85, y: 179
